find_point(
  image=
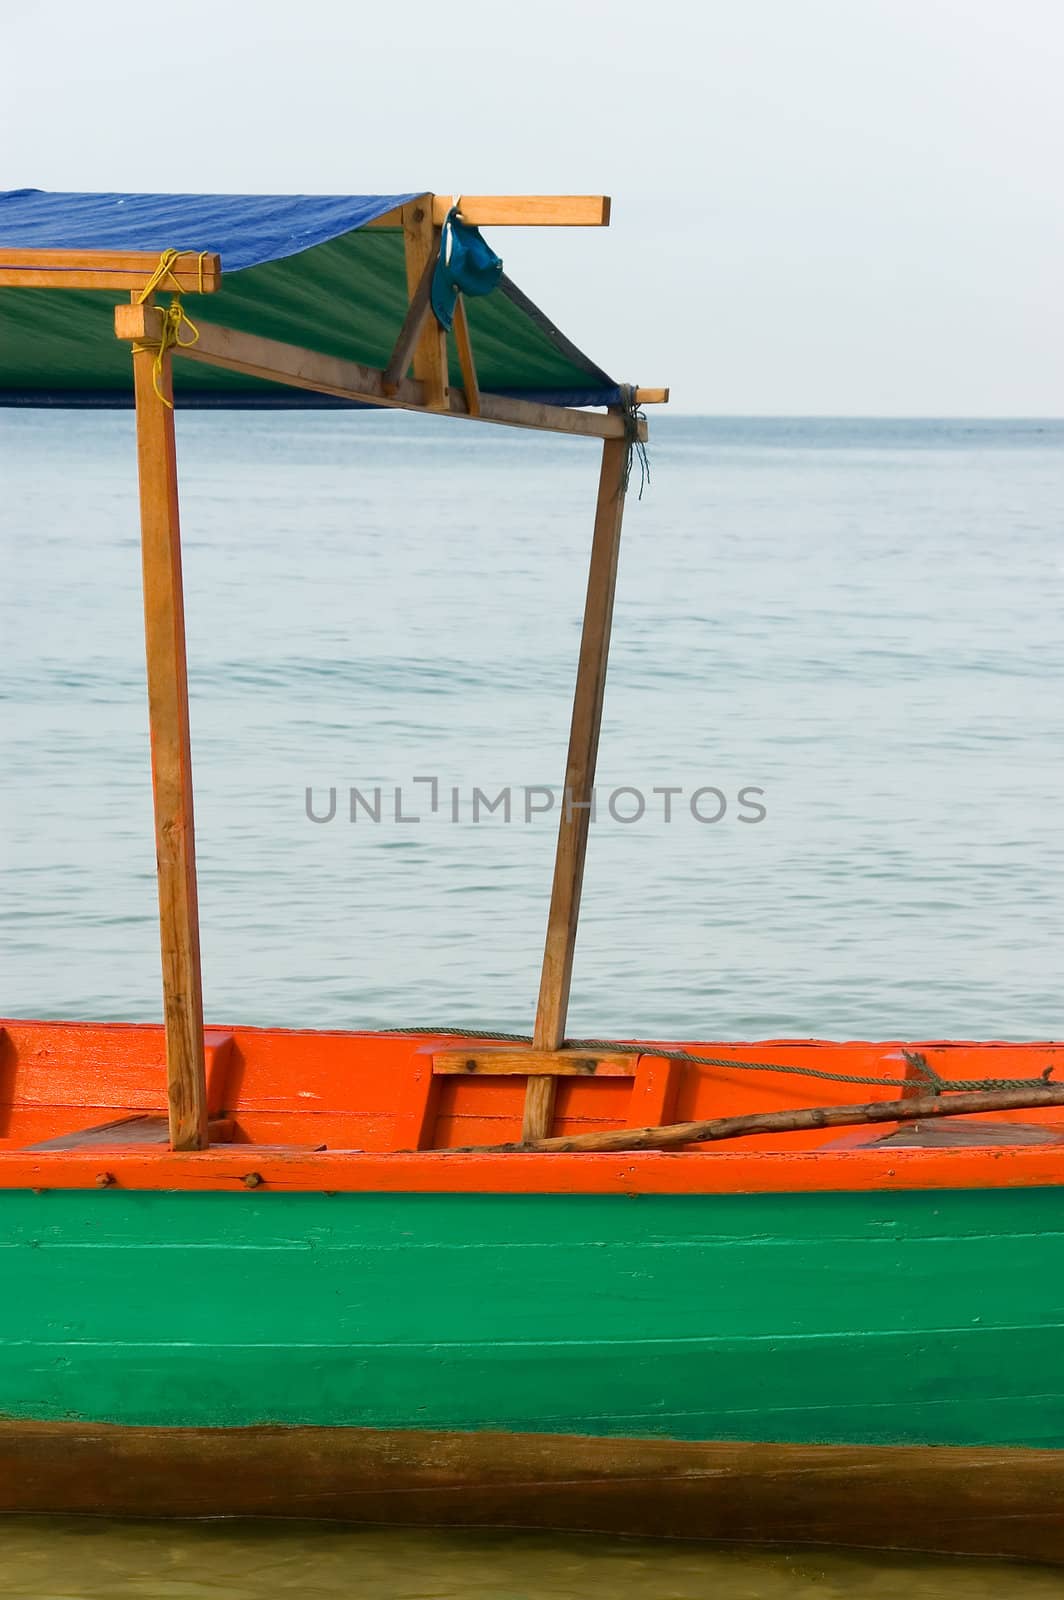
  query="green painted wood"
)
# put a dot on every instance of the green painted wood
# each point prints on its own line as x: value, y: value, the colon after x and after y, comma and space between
x: 934, y: 1318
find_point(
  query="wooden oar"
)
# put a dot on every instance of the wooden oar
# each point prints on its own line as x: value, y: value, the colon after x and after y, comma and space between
x: 673, y: 1134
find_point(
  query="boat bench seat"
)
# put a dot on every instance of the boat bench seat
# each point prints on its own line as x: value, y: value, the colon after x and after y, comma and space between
x: 957, y: 1132
x: 144, y: 1129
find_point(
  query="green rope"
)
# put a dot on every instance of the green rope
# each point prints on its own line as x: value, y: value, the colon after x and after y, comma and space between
x: 935, y: 1083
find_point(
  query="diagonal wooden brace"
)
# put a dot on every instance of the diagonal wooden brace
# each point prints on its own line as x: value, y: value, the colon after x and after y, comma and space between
x: 410, y: 333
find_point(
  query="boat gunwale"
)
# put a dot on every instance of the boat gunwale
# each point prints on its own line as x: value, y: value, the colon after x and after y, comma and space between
x: 264, y: 1170
x: 72, y: 1061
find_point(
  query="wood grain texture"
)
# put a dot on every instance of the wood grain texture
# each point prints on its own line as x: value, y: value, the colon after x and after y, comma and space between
x: 564, y: 913
x: 171, y: 752
x: 955, y: 1501
x: 514, y: 211
x: 300, y: 368
x: 466, y: 360
x: 139, y: 1130
x: 417, y: 313
x: 118, y: 270
x: 521, y: 1062
x: 421, y: 245
x: 528, y: 210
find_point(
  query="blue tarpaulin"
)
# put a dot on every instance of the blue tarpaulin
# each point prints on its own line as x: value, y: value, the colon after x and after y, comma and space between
x: 303, y: 269
x: 246, y: 230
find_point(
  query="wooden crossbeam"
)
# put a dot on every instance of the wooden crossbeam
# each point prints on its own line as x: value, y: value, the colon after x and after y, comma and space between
x: 521, y: 1062
x: 515, y: 211
x: 106, y: 269
x: 350, y: 380
x: 528, y: 210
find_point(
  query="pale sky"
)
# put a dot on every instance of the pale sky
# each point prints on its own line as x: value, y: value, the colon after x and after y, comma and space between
x: 820, y: 206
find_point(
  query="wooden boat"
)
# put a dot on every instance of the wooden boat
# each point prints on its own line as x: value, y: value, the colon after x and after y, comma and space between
x: 790, y: 1290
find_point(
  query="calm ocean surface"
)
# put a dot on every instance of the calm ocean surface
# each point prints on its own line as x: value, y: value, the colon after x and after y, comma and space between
x: 860, y: 619
x: 863, y: 620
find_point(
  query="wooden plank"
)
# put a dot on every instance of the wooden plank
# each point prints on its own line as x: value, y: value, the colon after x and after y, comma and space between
x: 350, y: 380
x: 138, y: 1130
x: 547, y: 418
x: 652, y: 397
x: 421, y: 243
x: 528, y: 210
x: 107, y: 269
x: 657, y: 1083
x: 464, y: 345
x: 692, y: 1172
x: 515, y: 211
x: 410, y: 332
x: 962, y: 1133
x: 171, y: 754
x: 974, y: 1500
x: 415, y: 1097
x: 556, y: 977
x: 533, y: 1063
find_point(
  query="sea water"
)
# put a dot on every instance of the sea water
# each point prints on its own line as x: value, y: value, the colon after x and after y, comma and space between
x: 828, y: 798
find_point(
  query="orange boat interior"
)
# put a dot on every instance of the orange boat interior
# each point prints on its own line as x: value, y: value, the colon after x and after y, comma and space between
x: 85, y: 1103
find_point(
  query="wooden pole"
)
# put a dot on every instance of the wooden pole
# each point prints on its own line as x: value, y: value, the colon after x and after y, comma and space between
x: 171, y: 758
x: 466, y: 360
x: 671, y: 1136
x: 549, y: 1033
x: 422, y: 245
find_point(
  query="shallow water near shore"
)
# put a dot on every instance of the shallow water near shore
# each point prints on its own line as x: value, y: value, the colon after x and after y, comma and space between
x: 861, y: 620
x: 79, y: 1559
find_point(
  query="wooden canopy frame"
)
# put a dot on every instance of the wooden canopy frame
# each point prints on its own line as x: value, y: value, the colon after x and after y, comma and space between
x: 422, y: 344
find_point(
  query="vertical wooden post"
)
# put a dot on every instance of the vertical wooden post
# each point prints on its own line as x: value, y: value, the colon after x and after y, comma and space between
x: 579, y: 784
x: 171, y: 759
x: 421, y: 242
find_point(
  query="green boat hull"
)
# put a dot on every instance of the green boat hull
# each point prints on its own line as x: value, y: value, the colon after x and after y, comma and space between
x: 915, y: 1318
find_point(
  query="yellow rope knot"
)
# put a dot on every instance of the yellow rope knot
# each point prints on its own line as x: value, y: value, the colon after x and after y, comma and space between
x: 174, y: 317
x: 165, y: 269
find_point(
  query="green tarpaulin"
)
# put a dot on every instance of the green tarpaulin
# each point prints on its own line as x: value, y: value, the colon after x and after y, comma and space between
x: 294, y: 269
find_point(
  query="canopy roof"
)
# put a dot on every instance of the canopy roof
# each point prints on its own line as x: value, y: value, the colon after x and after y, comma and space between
x: 308, y: 270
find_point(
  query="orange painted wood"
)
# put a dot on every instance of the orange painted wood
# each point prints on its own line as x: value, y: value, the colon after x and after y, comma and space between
x: 350, y: 1091
x: 416, y: 1097
x: 225, y: 1167
x: 654, y: 1091
x: 171, y: 753
x: 676, y: 1135
x: 106, y: 269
